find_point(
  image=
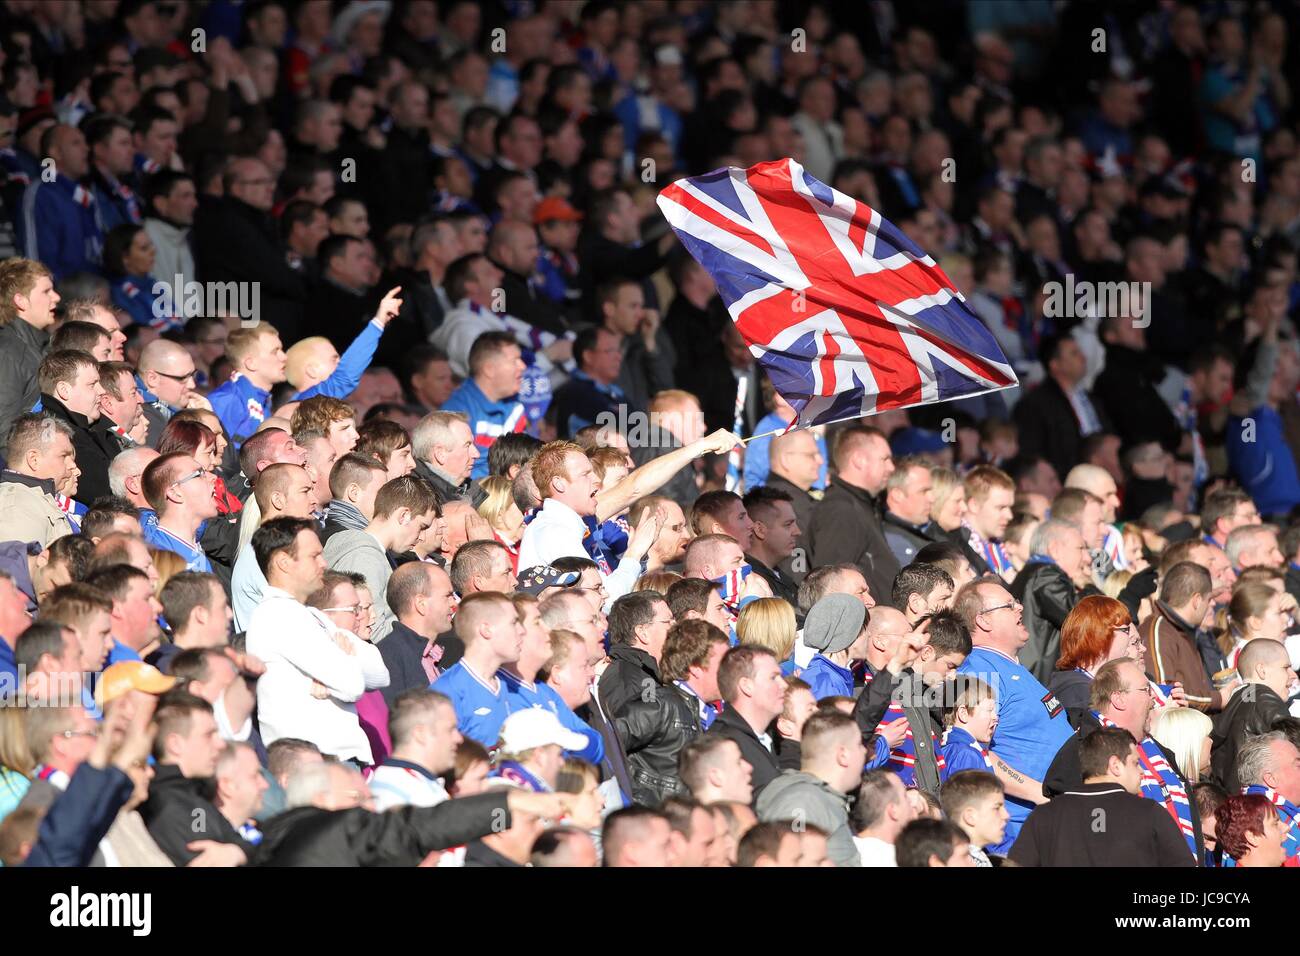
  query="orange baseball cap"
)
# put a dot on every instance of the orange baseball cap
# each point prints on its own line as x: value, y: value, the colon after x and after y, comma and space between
x: 552, y: 208
x: 126, y: 676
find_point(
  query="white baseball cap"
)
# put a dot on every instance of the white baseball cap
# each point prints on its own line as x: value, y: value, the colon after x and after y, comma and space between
x: 537, y: 727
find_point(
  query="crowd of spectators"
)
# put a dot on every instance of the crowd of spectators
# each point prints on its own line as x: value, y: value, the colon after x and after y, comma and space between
x: 378, y: 479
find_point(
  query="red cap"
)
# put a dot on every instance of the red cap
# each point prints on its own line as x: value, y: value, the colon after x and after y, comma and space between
x: 554, y: 208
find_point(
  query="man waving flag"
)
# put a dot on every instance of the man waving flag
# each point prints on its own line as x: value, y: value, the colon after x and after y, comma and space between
x: 845, y: 313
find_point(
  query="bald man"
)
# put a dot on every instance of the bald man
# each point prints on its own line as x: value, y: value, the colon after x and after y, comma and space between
x: 282, y: 490
x: 1258, y: 704
x: 514, y: 247
x: 796, y: 460
x: 1097, y: 480
x: 165, y: 378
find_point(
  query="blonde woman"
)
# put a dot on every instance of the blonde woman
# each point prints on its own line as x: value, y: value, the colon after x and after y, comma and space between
x: 1185, y: 733
x: 770, y: 623
x: 660, y: 581
x: 499, y: 510
x: 949, y: 506
x: 168, y: 564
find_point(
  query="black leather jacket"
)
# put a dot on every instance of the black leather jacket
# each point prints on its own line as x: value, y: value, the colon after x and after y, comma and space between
x: 1048, y: 597
x: 631, y: 675
x: 654, y: 728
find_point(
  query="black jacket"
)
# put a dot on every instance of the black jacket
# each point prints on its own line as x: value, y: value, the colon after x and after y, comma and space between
x: 530, y: 304
x: 421, y: 314
x: 403, y: 654
x: 1048, y: 426
x: 469, y: 491
x: 309, y: 836
x: 1073, y: 690
x: 1293, y: 580
x: 614, y: 766
x: 783, y: 586
x: 1252, y: 710
x: 22, y: 346
x: 732, y: 726
x: 905, y: 539
x: 1065, y: 775
x: 1048, y: 597
x: 233, y: 242
x: 631, y: 675
x: 338, y: 313
x: 1126, y: 389
x: 180, y: 811
x: 701, y: 356
x: 1064, y: 832
x: 654, y: 728
x: 846, y: 529
x: 94, y: 453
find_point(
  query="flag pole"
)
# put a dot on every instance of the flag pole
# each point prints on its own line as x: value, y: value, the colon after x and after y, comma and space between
x: 779, y: 431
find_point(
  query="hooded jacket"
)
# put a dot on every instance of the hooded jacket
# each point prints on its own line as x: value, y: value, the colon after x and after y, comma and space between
x: 29, y: 511
x: 800, y: 796
x: 360, y: 551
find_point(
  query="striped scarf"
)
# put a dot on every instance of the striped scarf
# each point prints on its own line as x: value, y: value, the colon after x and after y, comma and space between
x: 1160, y: 783
x: 1287, y: 812
x: 991, y: 551
x: 902, y: 759
x: 729, y: 586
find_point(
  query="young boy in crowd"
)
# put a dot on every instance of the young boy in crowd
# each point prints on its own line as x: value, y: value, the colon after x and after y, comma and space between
x: 975, y: 801
x: 970, y: 724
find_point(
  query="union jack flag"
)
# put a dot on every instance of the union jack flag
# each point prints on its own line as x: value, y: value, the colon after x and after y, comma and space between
x: 845, y: 313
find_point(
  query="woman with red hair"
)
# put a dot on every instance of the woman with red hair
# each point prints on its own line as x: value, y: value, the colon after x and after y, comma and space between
x: 1099, y: 629
x: 1249, y: 831
x: 199, y: 442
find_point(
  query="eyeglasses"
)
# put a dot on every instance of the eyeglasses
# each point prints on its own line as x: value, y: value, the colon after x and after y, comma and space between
x: 188, y: 376
x: 194, y: 474
x: 69, y: 734
x: 999, y: 607
x: 350, y: 609
x: 1144, y: 689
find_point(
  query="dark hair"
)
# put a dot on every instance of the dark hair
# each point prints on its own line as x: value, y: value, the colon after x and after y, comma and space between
x: 459, y: 274
x: 926, y: 838
x: 762, y: 840
x: 917, y: 578
x: 115, y: 579
x: 689, y: 594
x: 763, y: 500
x: 41, y: 638
x: 948, y: 635
x: 116, y: 245
x: 1096, y: 749
x: 278, y: 534
x: 630, y: 612
x: 738, y: 664
x: 183, y: 592
x: 510, y: 450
